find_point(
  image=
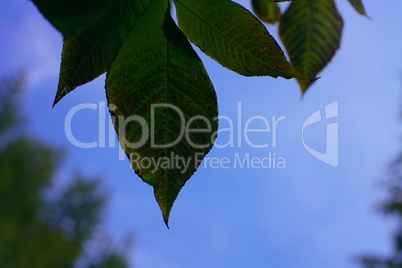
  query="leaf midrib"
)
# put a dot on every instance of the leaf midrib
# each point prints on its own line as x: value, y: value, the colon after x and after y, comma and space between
x: 165, y: 150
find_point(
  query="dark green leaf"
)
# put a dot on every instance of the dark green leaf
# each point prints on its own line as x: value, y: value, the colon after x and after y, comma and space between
x: 231, y: 35
x: 266, y: 11
x: 71, y: 17
x: 156, y: 78
x: 90, y: 54
x: 311, y: 32
x: 358, y: 5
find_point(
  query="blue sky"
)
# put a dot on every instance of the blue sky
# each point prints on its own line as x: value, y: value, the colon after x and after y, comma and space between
x: 306, y: 215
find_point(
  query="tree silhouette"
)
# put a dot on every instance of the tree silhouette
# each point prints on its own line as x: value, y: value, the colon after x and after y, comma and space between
x: 39, y: 226
x: 392, y: 206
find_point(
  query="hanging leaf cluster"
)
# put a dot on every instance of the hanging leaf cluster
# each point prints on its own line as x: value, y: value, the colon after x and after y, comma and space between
x: 162, y: 101
x: 311, y: 31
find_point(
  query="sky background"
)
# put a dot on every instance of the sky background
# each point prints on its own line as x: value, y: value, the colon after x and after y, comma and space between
x: 306, y: 215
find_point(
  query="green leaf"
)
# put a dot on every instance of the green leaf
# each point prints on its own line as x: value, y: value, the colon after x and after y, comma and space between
x: 158, y: 82
x: 311, y: 32
x: 358, y: 5
x: 266, y: 11
x: 231, y: 35
x: 88, y: 55
x: 71, y: 17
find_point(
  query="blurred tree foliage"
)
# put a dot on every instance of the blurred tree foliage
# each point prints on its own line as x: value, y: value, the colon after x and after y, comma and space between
x: 392, y: 206
x: 39, y: 226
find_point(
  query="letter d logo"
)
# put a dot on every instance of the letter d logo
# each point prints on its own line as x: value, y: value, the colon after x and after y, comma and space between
x: 331, y: 155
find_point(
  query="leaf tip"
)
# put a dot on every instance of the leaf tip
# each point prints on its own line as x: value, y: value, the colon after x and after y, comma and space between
x: 314, y: 79
x: 165, y: 214
x: 59, y: 95
x: 305, y: 84
x: 166, y: 223
x: 56, y: 100
x: 364, y: 14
